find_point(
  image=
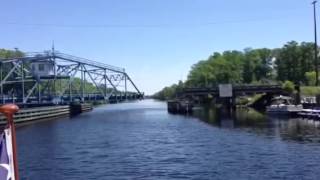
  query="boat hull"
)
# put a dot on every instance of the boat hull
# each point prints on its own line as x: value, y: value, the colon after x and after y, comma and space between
x: 284, y: 109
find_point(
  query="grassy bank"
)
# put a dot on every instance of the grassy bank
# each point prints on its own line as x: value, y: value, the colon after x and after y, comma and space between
x: 310, y: 90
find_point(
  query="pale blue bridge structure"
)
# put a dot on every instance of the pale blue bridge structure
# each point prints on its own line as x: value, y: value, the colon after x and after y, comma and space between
x: 56, y: 78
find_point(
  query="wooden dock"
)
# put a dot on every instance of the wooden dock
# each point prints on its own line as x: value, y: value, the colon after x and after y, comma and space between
x: 47, y: 112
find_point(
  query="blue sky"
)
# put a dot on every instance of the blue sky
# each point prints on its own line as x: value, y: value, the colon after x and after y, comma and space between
x: 157, y: 41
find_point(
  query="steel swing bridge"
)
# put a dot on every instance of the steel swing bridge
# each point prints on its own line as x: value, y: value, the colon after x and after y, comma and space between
x: 56, y: 78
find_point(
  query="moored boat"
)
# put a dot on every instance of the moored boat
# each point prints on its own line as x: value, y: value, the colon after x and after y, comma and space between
x: 310, y: 113
x: 283, y: 105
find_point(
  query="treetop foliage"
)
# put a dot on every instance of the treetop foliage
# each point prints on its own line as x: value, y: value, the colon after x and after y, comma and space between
x: 4, y: 53
x: 293, y: 62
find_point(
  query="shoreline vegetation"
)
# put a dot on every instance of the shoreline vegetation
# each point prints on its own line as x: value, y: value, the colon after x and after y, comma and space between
x: 290, y: 65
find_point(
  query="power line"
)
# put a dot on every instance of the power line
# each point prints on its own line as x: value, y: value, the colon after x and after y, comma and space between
x: 173, y: 25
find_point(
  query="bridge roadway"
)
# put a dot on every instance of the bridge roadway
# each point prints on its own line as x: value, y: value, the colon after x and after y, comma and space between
x: 237, y: 90
x: 229, y: 101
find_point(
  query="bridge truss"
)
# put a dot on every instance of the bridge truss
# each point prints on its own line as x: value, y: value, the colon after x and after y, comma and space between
x: 72, y: 79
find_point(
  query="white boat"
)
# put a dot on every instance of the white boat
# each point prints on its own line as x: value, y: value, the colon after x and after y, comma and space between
x: 283, y: 105
x: 310, y: 113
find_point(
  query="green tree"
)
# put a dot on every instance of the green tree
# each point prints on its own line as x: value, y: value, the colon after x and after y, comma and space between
x: 4, y: 53
x: 294, y: 60
x: 288, y: 86
x: 311, y: 78
x: 263, y: 66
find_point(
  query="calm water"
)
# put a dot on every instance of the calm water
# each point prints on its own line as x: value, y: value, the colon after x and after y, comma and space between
x: 142, y: 141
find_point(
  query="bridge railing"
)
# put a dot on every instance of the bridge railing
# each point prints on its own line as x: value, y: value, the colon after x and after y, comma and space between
x: 247, y: 87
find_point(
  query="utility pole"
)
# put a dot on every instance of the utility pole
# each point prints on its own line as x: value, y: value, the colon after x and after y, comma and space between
x: 315, y: 42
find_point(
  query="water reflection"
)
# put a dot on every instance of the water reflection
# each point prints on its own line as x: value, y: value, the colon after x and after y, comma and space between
x: 250, y: 120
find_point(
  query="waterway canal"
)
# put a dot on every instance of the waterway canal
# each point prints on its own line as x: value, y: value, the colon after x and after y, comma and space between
x: 141, y: 140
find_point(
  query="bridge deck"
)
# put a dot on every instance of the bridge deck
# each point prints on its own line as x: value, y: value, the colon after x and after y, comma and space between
x: 237, y: 90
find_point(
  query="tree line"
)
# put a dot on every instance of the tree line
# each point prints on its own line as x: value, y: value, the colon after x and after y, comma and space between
x: 293, y: 62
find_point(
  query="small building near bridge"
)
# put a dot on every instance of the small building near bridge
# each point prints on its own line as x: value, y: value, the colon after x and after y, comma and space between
x: 43, y: 68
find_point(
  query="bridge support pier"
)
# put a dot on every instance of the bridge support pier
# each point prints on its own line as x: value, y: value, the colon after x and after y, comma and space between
x: 228, y: 103
x: 233, y: 103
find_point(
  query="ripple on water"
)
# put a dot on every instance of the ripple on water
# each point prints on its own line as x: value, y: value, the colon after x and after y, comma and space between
x: 142, y: 141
